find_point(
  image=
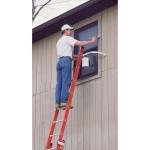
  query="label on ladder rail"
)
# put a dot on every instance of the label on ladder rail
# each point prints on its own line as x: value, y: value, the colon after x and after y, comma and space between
x: 57, y: 121
x: 54, y: 135
x: 60, y: 143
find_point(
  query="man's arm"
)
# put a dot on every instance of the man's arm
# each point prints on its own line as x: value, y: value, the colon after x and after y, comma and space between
x: 83, y: 43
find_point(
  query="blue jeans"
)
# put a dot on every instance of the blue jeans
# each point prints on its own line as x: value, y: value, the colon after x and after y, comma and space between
x: 64, y: 69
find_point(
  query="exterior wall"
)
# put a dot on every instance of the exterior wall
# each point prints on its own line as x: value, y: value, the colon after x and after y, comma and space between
x: 92, y: 124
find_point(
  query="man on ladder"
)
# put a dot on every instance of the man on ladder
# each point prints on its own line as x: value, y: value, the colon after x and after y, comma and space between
x: 64, y: 95
x: 65, y: 47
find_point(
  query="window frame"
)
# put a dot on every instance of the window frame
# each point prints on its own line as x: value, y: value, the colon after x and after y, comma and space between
x: 99, y: 71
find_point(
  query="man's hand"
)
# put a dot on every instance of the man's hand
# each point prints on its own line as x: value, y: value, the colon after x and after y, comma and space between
x: 94, y: 38
x: 83, y: 43
x: 74, y: 57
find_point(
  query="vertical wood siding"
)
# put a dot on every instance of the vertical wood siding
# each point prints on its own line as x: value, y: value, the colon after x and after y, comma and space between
x: 92, y: 124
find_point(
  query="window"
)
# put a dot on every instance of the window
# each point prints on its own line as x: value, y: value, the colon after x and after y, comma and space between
x: 83, y: 34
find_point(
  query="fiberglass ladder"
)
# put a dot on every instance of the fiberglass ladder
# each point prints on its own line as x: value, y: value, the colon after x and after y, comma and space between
x: 60, y: 142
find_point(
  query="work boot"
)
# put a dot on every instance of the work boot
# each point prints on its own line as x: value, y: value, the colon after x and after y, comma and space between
x: 63, y: 105
x: 57, y: 105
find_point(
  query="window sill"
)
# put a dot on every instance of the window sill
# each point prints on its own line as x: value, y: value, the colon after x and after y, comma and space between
x: 89, y: 79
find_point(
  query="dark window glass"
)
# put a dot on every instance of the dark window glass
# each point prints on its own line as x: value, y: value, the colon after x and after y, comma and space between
x: 83, y: 34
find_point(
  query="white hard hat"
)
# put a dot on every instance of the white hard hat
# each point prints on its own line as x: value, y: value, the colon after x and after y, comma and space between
x: 66, y: 26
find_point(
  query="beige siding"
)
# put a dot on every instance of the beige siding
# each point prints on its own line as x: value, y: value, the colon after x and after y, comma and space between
x: 92, y: 124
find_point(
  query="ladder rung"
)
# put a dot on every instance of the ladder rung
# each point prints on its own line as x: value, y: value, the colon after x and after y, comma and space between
x: 54, y: 135
x: 57, y: 121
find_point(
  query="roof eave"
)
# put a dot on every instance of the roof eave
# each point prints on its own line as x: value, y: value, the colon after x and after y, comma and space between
x: 71, y: 17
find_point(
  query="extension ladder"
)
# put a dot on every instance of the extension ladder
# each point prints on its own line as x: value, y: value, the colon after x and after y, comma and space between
x: 60, y: 143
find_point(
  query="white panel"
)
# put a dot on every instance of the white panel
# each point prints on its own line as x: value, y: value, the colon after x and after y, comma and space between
x: 43, y: 71
x: 104, y: 111
x: 33, y: 121
x: 80, y: 117
x: 92, y: 109
x: 111, y: 111
x: 86, y: 116
x: 111, y: 38
x: 98, y: 115
x: 37, y: 123
x: 104, y: 40
x: 34, y: 68
x: 39, y: 66
x: 75, y: 120
x: 53, y: 60
x: 42, y: 120
x: 48, y: 63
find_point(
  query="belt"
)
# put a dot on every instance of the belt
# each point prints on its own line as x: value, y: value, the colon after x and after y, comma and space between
x: 66, y: 57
